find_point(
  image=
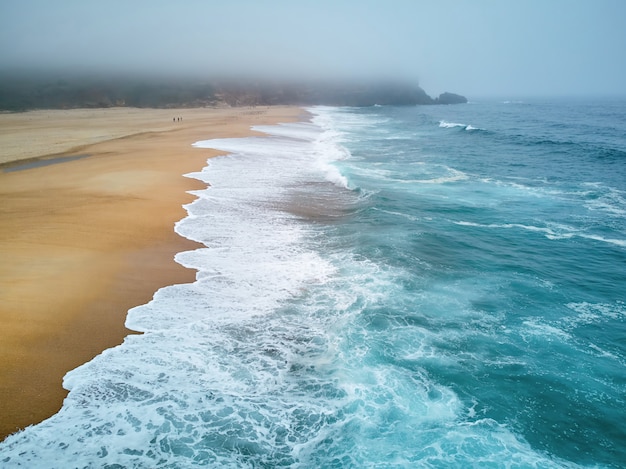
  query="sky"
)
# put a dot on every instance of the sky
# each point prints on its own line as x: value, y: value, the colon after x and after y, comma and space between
x: 501, y: 48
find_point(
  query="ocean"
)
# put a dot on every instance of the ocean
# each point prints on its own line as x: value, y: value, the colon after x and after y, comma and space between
x: 381, y: 287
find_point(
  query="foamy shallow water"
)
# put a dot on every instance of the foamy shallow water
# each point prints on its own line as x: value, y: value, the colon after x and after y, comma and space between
x: 349, y: 311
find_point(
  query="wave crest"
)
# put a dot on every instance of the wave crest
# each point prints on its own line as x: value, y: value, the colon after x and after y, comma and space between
x: 452, y: 125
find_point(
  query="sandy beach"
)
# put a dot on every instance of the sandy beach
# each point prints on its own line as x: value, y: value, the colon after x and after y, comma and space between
x: 89, y: 201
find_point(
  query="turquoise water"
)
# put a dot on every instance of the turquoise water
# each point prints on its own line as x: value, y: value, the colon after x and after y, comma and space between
x: 509, y: 232
x: 391, y: 287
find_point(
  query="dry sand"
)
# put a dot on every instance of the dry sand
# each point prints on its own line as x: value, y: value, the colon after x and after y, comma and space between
x: 83, y: 241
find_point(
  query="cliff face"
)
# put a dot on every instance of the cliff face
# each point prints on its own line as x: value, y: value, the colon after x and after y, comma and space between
x: 22, y: 94
x: 368, y: 95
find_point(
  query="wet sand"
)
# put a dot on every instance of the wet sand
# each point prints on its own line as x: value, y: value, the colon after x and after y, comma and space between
x: 84, y: 239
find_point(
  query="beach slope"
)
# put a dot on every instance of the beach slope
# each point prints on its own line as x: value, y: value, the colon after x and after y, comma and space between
x: 89, y: 203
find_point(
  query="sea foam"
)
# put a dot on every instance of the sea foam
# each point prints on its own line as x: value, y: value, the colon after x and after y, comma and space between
x: 148, y: 401
x: 347, y: 315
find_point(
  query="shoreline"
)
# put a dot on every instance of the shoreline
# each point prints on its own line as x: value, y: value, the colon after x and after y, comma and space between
x: 85, y: 239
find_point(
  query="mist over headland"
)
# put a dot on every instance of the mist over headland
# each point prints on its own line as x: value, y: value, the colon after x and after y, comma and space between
x: 26, y: 91
x: 479, y: 48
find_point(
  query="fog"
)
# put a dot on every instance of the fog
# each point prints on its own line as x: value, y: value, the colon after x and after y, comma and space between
x: 476, y: 48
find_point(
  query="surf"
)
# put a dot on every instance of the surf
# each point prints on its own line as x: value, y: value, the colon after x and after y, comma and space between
x: 362, y: 300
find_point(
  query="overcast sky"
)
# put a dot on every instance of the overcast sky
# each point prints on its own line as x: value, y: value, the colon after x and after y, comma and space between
x: 472, y: 47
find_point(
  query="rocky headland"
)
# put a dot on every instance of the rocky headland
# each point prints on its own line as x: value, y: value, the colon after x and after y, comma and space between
x: 20, y: 93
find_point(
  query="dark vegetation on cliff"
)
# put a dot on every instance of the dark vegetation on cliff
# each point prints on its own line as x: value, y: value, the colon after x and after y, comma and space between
x: 19, y: 93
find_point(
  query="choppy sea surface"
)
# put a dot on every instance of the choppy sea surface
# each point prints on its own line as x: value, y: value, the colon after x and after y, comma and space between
x: 388, y: 287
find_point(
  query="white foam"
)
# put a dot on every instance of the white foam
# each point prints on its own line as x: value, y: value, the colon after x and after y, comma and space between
x: 538, y: 327
x: 450, y: 125
x: 552, y: 231
x: 592, y: 313
x: 253, y: 364
x: 614, y: 241
x: 133, y: 404
x: 609, y: 200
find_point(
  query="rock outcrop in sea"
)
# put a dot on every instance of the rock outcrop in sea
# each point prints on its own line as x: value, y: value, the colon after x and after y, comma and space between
x: 450, y: 98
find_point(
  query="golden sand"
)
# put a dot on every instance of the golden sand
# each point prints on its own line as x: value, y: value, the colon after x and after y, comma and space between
x: 83, y: 241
